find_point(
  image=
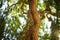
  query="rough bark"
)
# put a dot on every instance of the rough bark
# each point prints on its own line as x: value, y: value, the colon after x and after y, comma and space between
x: 33, y: 30
x: 33, y: 26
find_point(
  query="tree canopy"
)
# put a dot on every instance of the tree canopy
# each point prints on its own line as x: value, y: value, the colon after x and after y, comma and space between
x: 14, y: 17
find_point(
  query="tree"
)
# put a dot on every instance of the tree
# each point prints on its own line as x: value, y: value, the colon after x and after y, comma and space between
x: 36, y: 20
x: 32, y: 33
x: 30, y: 20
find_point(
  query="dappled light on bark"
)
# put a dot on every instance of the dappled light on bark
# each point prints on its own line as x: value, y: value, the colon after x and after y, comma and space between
x: 33, y: 15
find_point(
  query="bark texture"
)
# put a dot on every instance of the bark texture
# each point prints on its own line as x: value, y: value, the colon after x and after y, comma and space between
x: 33, y: 29
x: 33, y: 26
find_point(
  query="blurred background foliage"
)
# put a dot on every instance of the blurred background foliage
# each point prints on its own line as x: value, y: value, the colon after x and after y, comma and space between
x: 13, y: 18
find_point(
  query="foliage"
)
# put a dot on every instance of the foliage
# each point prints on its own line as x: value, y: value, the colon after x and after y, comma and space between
x: 18, y: 9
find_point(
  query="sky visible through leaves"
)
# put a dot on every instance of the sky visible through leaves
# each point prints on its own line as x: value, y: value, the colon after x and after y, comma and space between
x: 16, y: 20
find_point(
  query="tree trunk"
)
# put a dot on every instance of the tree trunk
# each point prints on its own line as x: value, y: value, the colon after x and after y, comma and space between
x: 33, y: 30
x: 33, y: 26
